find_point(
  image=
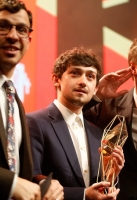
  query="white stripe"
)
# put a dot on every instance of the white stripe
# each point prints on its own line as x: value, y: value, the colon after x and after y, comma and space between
x: 49, y: 6
x: 116, y: 42
x: 111, y: 3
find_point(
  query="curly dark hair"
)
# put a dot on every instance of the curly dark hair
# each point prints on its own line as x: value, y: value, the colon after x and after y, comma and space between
x: 13, y: 6
x: 78, y: 56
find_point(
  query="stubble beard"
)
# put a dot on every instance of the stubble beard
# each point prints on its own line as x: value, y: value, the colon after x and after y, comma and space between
x: 78, y: 102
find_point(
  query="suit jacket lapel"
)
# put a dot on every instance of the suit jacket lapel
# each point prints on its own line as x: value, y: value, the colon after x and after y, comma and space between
x: 25, y: 149
x: 3, y: 137
x: 94, y: 142
x: 63, y: 134
x: 125, y: 106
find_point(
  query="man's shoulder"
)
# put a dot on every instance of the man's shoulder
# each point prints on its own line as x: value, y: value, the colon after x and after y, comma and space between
x: 46, y: 114
x: 36, y: 113
x: 41, y: 112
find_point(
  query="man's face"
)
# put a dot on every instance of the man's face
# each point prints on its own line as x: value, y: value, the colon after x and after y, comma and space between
x: 12, y: 47
x: 76, y: 86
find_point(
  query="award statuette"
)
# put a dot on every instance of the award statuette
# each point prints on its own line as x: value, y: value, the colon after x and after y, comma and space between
x: 114, y: 134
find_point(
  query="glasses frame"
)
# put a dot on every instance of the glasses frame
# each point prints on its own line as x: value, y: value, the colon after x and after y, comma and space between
x: 12, y: 26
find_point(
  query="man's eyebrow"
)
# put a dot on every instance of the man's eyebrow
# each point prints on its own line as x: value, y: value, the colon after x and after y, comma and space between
x: 92, y: 71
x: 18, y: 24
x: 88, y: 71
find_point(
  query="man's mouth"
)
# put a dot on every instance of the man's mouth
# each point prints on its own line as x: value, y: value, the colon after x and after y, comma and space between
x: 81, y: 91
x: 10, y: 48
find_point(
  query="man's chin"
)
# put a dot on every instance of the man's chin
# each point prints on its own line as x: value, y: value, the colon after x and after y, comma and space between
x: 10, y: 62
x: 80, y: 103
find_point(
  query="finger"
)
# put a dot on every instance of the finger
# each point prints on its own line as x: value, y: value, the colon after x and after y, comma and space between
x: 110, y: 196
x: 38, y: 196
x: 113, y: 194
x: 111, y: 189
x: 108, y: 76
x: 120, y: 77
x: 118, y: 74
x: 124, y: 71
x: 118, y: 149
x: 124, y: 78
x: 60, y: 196
x: 117, y: 166
x: 119, y: 156
x: 112, y: 75
x: 119, y: 161
x: 55, y: 191
x: 48, y: 194
x: 120, y: 93
x: 101, y: 184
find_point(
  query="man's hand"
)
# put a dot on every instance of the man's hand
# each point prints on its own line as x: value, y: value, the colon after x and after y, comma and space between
x: 109, y: 84
x: 55, y: 191
x: 112, y: 164
x: 118, y: 158
x: 26, y: 190
x: 96, y: 191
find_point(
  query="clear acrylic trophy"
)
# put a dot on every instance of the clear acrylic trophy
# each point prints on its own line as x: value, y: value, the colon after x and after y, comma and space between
x: 114, y: 134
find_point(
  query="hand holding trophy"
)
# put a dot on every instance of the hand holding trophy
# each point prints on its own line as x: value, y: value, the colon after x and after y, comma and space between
x: 111, y: 154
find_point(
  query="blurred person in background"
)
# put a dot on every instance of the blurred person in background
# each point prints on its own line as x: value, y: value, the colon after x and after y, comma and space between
x: 122, y: 103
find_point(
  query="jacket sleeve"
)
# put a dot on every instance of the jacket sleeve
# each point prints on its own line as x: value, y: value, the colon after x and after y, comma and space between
x: 6, y: 180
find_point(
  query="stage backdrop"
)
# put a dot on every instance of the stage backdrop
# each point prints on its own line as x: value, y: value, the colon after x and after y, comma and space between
x: 32, y: 76
x: 107, y: 26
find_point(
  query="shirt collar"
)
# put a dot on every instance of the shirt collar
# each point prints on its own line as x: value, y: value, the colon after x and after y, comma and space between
x: 67, y: 114
x: 3, y: 78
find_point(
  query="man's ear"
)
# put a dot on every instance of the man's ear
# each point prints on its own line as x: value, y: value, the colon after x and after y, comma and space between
x: 96, y: 88
x: 30, y: 38
x: 55, y: 80
x: 133, y: 67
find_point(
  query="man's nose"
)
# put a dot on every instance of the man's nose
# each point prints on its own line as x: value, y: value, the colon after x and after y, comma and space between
x: 82, y: 80
x: 13, y: 33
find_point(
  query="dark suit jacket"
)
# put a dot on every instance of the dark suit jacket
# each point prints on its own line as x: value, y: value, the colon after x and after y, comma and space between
x: 6, y: 176
x: 101, y: 115
x: 53, y: 150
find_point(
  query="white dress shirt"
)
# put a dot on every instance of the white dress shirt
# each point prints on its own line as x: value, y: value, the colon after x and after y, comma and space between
x: 77, y: 132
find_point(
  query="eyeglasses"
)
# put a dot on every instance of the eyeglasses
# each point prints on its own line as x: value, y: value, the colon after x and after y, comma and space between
x: 22, y: 30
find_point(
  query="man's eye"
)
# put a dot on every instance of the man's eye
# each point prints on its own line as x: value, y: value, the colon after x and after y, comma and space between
x: 22, y: 29
x: 75, y: 72
x: 4, y: 26
x: 90, y: 76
